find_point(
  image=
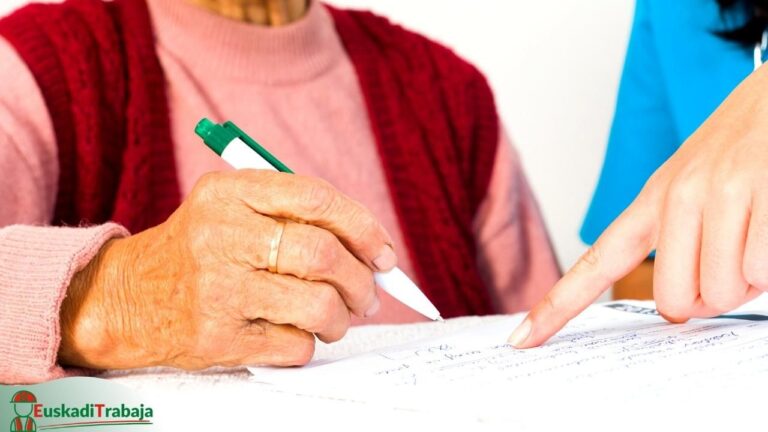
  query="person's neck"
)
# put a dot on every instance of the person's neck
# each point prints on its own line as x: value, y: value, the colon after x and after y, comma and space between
x: 263, y: 12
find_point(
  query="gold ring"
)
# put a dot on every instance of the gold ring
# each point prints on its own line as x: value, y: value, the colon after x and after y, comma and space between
x: 274, y: 246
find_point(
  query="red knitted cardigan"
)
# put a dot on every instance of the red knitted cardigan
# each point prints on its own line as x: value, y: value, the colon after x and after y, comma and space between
x: 432, y: 114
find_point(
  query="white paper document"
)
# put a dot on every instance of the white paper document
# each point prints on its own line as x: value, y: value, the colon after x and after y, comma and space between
x: 604, y: 340
x: 616, y: 353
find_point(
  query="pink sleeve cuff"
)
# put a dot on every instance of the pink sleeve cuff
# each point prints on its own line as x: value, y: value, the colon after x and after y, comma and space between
x: 36, y: 267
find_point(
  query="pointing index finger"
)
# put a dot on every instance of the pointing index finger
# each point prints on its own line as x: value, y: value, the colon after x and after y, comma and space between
x: 621, y: 248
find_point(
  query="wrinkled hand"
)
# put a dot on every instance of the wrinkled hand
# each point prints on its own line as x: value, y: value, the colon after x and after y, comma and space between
x: 705, y: 211
x: 194, y: 291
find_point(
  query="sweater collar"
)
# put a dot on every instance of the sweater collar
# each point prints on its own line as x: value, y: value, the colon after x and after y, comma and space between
x: 219, y: 47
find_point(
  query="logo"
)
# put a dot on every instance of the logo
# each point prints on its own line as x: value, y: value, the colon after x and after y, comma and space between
x: 23, y: 402
x: 32, y: 415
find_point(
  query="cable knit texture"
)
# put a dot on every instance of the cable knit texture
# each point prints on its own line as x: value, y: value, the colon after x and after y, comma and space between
x: 29, y: 309
x: 105, y: 93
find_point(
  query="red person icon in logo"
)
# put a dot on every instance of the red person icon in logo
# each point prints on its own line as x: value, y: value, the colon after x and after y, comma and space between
x: 22, y: 405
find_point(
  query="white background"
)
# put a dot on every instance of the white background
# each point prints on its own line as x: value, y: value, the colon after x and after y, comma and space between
x: 554, y: 66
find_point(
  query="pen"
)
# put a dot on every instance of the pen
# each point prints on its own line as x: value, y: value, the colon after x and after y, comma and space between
x: 241, y: 151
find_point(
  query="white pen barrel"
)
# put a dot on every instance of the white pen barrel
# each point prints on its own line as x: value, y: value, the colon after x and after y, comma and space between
x: 400, y: 286
x: 240, y: 156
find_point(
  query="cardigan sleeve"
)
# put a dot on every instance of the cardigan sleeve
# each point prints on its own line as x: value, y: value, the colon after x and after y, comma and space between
x: 515, y: 253
x: 37, y: 262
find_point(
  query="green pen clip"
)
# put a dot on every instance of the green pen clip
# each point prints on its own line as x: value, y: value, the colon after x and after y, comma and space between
x: 218, y: 137
x: 275, y: 162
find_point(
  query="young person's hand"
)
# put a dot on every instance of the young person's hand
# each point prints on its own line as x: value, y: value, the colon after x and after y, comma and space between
x: 199, y: 290
x: 705, y: 211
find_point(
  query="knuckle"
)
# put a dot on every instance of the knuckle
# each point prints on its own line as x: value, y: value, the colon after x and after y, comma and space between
x: 251, y: 174
x: 371, y: 232
x: 244, y: 180
x: 592, y: 257
x: 756, y: 273
x: 208, y: 187
x: 722, y: 292
x: 547, y: 310
x: 208, y: 181
x: 319, y: 198
x: 683, y: 192
x: 549, y: 303
x: 654, y: 186
x: 343, y: 329
x: 338, y: 330
x: 286, y: 345
x: 362, y: 291
x: 323, y: 253
x: 326, y: 301
x: 303, y: 350
x: 590, y: 262
x: 731, y: 188
x: 720, y: 301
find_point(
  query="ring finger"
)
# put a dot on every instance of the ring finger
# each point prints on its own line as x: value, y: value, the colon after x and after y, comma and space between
x: 313, y: 254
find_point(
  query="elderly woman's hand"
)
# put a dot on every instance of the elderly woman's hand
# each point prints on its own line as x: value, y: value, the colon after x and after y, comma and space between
x: 196, y: 291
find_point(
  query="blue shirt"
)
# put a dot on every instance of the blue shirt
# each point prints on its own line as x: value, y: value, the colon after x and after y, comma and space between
x: 676, y: 73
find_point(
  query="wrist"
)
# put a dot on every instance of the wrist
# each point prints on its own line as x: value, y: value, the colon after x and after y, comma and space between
x: 95, y: 324
x: 82, y: 331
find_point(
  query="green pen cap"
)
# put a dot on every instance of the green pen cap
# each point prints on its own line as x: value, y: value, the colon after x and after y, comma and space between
x: 214, y: 135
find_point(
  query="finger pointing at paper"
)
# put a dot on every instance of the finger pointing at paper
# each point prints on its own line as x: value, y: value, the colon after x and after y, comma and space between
x: 705, y: 212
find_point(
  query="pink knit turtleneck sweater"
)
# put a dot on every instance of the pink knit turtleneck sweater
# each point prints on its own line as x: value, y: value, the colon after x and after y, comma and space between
x: 295, y: 89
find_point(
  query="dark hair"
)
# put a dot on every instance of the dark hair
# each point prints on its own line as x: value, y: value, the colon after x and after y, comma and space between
x: 750, y: 28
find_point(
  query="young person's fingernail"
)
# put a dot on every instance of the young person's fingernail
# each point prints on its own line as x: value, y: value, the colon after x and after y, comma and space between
x: 374, y: 308
x: 386, y: 259
x: 520, y: 335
